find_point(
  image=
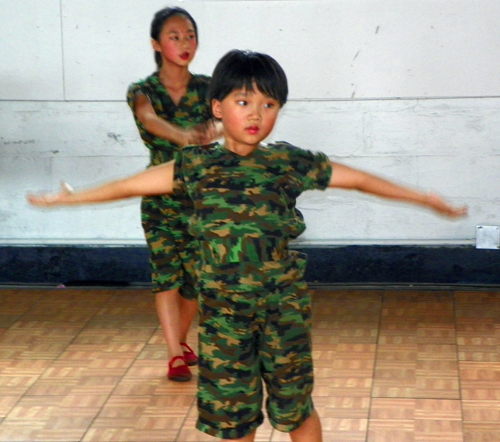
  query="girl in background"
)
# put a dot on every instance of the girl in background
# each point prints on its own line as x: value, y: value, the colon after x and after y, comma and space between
x: 171, y: 110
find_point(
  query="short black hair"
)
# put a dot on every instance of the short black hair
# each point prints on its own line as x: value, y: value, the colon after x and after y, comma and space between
x: 246, y: 70
x: 159, y: 20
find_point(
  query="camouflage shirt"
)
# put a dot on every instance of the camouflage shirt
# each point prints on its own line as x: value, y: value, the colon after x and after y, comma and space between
x: 244, y: 206
x: 193, y: 109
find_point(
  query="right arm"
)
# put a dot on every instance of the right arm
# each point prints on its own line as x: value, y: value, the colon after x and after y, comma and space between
x: 161, y: 128
x: 157, y: 180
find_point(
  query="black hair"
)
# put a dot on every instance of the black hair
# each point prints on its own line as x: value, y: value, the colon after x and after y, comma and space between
x: 246, y: 70
x: 161, y: 17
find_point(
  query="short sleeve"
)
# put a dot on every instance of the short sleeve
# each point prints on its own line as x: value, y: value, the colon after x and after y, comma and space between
x: 312, y: 169
x: 133, y: 91
x: 319, y: 175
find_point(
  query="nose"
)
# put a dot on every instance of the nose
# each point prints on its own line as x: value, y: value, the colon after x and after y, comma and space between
x: 185, y: 42
x: 255, y: 112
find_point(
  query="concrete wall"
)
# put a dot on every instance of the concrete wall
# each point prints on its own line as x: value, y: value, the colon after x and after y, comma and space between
x: 408, y: 89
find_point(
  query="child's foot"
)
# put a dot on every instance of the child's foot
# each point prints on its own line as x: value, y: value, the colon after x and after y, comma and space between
x: 189, y: 354
x: 179, y: 373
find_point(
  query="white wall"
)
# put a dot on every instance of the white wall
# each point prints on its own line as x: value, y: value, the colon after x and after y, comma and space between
x: 408, y: 89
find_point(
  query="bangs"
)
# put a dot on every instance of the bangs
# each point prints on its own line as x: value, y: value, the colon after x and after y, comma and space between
x: 247, y: 70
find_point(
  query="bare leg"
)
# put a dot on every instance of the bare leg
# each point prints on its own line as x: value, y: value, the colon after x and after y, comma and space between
x: 309, y: 431
x: 249, y: 438
x: 175, y: 314
x: 188, y: 310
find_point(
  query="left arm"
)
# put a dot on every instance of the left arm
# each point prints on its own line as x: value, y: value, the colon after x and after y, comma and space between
x: 345, y: 177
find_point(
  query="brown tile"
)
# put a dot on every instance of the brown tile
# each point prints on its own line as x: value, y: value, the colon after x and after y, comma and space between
x: 437, y: 334
x: 481, y: 432
x: 438, y: 430
x: 383, y: 389
x: 478, y: 354
x: 481, y: 411
x: 113, y: 435
x: 342, y: 407
x: 480, y: 391
x: 438, y: 409
x: 335, y: 429
x: 387, y: 430
x: 353, y: 387
x: 437, y: 351
x: 403, y: 353
x: 437, y: 388
x: 11, y: 431
x: 393, y: 409
x: 396, y: 340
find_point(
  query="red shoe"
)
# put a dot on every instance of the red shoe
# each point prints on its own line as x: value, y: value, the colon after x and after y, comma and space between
x: 189, y: 354
x: 180, y: 373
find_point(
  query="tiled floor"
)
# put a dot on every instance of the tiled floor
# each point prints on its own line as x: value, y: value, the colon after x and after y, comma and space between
x: 391, y: 366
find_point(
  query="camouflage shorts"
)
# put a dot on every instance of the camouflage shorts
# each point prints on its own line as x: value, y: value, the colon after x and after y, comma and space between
x: 247, y: 339
x: 173, y: 253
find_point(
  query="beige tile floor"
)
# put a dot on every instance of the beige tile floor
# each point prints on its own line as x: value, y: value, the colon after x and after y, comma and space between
x: 391, y: 366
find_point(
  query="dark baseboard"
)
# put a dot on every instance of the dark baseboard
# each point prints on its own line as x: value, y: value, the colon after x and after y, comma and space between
x: 363, y: 264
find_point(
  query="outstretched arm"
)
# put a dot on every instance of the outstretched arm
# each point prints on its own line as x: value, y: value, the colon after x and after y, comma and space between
x: 156, y: 180
x: 345, y: 177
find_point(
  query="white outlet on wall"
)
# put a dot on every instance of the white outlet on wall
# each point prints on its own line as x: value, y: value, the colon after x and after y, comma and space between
x: 487, y: 237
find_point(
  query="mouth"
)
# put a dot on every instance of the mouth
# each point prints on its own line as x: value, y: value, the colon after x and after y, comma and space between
x: 252, y: 130
x: 185, y: 56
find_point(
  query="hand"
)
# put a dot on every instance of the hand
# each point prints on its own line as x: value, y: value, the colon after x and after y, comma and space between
x: 204, y: 133
x: 438, y: 204
x: 50, y: 199
x: 190, y: 137
x: 213, y: 131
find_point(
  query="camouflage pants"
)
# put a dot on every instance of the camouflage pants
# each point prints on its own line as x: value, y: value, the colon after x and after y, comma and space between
x: 173, y: 253
x: 247, y: 339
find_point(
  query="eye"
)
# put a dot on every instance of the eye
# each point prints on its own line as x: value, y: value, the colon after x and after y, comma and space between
x: 174, y: 38
x: 242, y: 102
x: 269, y: 105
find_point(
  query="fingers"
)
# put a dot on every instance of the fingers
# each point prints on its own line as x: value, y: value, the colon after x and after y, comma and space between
x: 40, y: 200
x: 438, y: 204
x: 460, y: 211
x: 49, y: 199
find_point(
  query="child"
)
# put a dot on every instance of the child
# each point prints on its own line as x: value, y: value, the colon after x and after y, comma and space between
x: 255, y: 311
x: 171, y: 110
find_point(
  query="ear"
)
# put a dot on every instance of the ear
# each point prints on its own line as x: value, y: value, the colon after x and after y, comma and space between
x: 216, y: 109
x: 156, y: 45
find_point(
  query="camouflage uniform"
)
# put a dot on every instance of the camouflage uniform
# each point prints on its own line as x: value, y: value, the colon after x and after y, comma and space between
x: 173, y: 251
x: 255, y: 309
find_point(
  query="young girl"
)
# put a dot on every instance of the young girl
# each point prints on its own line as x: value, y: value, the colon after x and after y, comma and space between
x: 171, y: 110
x: 255, y: 309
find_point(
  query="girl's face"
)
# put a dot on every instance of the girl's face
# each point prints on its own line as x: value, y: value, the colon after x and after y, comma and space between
x: 248, y: 117
x: 177, y: 42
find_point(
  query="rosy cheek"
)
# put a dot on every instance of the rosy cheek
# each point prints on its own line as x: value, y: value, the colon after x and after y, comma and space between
x: 170, y: 51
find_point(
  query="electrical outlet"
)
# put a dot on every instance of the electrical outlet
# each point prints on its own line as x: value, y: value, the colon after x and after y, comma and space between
x: 487, y: 237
